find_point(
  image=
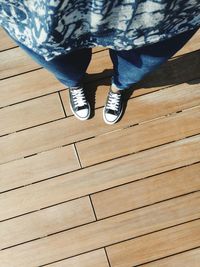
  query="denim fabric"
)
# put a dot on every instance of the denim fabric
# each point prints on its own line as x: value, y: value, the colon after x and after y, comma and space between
x: 129, y: 66
x: 69, y: 69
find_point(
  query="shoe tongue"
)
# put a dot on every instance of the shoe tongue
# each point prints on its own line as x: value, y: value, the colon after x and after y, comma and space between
x: 111, y: 111
x: 116, y: 92
x: 82, y: 107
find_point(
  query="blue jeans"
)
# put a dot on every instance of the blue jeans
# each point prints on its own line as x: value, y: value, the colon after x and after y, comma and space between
x: 129, y: 66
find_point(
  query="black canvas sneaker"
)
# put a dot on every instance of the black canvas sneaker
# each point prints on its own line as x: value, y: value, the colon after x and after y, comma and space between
x: 113, y: 108
x: 78, y: 103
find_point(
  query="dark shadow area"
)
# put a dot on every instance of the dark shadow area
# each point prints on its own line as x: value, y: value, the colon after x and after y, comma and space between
x: 92, y: 85
x: 181, y: 69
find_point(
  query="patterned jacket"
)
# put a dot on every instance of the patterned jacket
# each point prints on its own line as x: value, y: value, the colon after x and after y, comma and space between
x: 55, y: 27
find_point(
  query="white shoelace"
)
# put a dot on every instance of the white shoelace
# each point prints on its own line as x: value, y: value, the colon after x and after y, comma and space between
x: 78, y: 97
x: 113, y: 101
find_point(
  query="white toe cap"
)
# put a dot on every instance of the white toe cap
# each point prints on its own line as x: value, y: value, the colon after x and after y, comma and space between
x: 83, y: 113
x: 109, y: 118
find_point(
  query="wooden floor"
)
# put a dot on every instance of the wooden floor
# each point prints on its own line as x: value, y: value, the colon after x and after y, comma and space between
x: 85, y: 194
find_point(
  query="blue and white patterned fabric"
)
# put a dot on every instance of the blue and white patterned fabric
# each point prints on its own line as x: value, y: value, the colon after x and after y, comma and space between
x: 54, y: 27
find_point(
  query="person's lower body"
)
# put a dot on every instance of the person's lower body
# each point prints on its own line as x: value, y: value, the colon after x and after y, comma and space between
x: 70, y: 70
x: 129, y: 67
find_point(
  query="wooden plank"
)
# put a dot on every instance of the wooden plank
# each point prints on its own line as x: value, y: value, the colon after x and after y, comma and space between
x: 15, y: 61
x: 39, y: 224
x: 27, y: 86
x: 70, y: 130
x: 30, y: 113
x: 140, y: 137
x: 144, y: 192
x: 190, y: 259
x: 97, y: 49
x: 109, y: 231
x: 46, y: 222
x: 155, y: 245
x: 104, y: 65
x: 38, y: 167
x: 6, y: 42
x: 34, y: 84
x: 100, y: 177
x: 192, y: 45
x: 172, y: 73
x: 91, y: 259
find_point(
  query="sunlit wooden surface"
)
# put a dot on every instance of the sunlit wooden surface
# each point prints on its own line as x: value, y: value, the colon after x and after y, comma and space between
x: 85, y: 194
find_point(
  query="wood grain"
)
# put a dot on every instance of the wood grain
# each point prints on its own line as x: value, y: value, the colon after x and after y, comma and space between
x: 101, y: 177
x: 46, y: 222
x: 144, y: 192
x: 81, y: 194
x: 191, y: 45
x: 190, y: 258
x: 115, y: 229
x: 15, y: 61
x: 6, y: 42
x: 30, y: 113
x: 91, y: 180
x: 91, y: 259
x: 139, y: 137
x: 26, y: 86
x: 155, y: 245
x: 38, y: 167
x: 173, y: 72
x: 69, y: 130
